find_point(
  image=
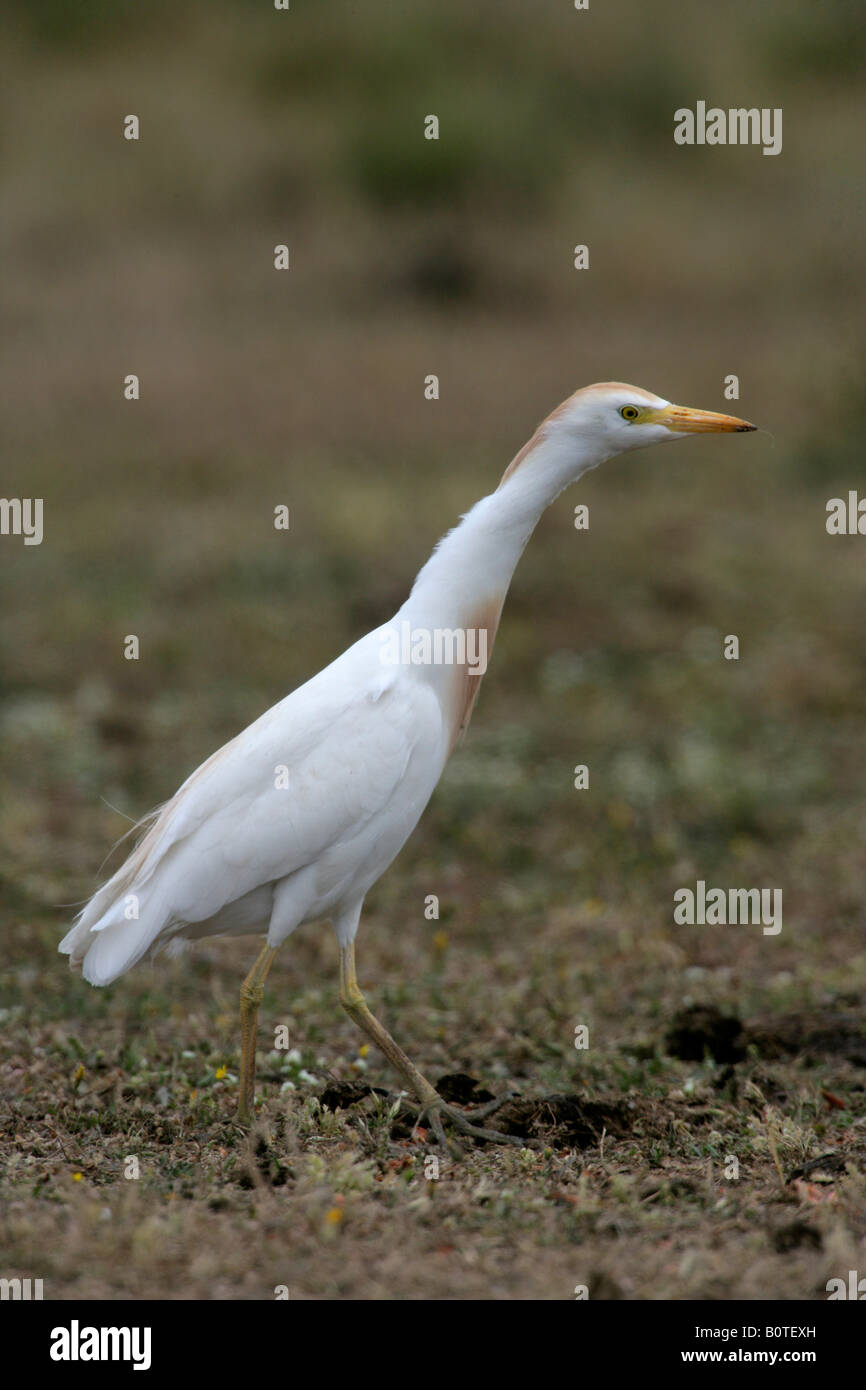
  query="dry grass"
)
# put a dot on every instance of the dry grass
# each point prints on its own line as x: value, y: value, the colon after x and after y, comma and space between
x: 556, y: 905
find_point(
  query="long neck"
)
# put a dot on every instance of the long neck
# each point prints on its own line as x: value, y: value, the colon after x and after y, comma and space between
x: 462, y: 587
x: 471, y: 568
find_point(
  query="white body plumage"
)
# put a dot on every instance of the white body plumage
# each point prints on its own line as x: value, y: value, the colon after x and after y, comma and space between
x: 298, y: 816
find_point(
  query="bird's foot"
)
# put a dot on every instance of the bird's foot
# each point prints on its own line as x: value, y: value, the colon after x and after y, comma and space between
x: 436, y: 1113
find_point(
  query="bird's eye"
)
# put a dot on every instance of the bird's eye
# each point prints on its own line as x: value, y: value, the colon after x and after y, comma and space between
x: 629, y: 412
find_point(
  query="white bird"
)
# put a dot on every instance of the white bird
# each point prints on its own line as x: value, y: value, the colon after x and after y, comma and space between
x: 296, y: 817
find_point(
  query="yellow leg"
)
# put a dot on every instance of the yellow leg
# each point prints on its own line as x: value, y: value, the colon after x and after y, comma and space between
x: 252, y: 990
x: 355, y: 1005
x: 432, y: 1107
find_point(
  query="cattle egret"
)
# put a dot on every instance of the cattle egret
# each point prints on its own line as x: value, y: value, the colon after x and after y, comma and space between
x: 296, y: 817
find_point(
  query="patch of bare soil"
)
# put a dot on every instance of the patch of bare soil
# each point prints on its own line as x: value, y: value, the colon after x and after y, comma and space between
x: 702, y: 1030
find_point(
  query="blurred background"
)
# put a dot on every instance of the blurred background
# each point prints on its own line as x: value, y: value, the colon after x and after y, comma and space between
x: 411, y: 257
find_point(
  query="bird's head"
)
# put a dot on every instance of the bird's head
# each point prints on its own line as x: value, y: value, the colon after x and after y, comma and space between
x: 597, y: 422
x: 618, y: 418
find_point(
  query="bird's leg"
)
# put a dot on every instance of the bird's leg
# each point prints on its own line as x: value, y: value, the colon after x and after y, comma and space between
x: 252, y: 990
x: 432, y: 1106
x: 356, y: 1007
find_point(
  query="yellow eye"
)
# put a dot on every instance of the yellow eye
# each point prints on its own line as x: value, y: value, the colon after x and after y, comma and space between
x: 629, y: 412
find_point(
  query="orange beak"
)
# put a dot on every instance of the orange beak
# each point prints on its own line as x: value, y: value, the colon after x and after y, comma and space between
x: 683, y: 420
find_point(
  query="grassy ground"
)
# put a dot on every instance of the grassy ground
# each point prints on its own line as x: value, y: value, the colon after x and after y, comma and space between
x: 556, y: 905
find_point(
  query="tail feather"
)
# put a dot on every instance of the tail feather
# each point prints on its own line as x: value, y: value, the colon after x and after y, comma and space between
x: 108, y: 936
x: 107, y: 945
x: 115, y: 950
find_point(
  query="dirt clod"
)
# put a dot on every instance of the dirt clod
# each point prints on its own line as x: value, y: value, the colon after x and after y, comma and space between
x: 566, y: 1121
x: 459, y: 1089
x: 342, y: 1095
x: 703, y: 1030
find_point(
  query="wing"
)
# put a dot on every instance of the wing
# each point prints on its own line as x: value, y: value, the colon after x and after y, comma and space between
x: 310, y: 773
